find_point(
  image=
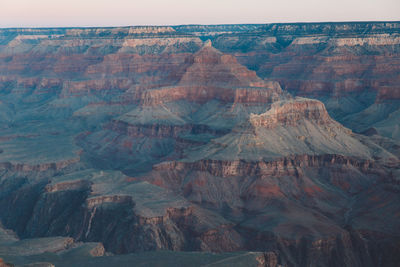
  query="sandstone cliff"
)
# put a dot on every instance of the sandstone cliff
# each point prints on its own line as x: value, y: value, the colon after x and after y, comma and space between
x: 136, y: 140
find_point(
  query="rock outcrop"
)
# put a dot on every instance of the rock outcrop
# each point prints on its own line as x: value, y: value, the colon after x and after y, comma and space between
x: 292, y: 113
x: 136, y: 140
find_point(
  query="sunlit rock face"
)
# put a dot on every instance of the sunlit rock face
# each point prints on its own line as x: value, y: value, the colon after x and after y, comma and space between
x: 352, y: 67
x: 274, y: 145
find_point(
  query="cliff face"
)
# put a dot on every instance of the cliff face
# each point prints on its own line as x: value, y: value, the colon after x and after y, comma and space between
x: 291, y: 113
x: 133, y: 139
x: 351, y: 67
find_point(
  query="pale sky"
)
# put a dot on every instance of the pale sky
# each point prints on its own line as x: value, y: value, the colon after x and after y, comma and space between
x: 72, y: 13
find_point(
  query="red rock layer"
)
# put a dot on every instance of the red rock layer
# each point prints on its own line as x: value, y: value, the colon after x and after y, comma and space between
x: 202, y: 94
x: 291, y: 112
x: 281, y: 167
x: 53, y: 166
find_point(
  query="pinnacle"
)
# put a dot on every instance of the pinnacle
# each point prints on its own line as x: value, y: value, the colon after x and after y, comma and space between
x: 207, y: 43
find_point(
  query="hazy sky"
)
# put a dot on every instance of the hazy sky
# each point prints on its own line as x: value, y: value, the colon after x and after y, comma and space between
x: 51, y: 13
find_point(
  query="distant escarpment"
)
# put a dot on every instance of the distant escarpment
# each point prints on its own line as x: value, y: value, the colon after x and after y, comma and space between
x: 274, y: 145
x: 351, y: 67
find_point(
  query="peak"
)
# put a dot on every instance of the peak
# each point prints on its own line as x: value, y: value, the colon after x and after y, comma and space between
x: 207, y: 43
x: 213, y: 67
x: 208, y: 48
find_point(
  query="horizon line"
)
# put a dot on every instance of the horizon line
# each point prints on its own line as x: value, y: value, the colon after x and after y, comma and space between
x: 198, y: 24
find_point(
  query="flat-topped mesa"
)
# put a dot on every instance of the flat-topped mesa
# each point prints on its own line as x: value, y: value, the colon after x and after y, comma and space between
x: 333, y: 28
x: 291, y: 113
x: 120, y: 31
x: 151, y: 30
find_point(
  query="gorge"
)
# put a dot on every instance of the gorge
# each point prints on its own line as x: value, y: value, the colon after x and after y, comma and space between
x: 227, y: 145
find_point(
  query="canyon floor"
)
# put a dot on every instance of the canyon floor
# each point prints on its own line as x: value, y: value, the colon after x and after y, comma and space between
x: 220, y: 145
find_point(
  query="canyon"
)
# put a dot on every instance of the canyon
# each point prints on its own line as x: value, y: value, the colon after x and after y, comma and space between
x: 223, y: 145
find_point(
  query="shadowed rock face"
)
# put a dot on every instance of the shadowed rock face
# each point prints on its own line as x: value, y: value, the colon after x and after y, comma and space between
x: 351, y: 67
x: 134, y: 139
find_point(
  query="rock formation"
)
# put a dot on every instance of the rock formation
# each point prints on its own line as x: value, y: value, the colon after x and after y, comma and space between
x: 272, y: 145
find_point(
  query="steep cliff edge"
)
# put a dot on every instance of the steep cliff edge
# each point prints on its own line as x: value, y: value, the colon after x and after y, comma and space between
x: 200, y: 138
x: 351, y: 67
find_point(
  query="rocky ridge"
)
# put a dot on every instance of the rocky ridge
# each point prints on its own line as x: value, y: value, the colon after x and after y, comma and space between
x: 152, y: 138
